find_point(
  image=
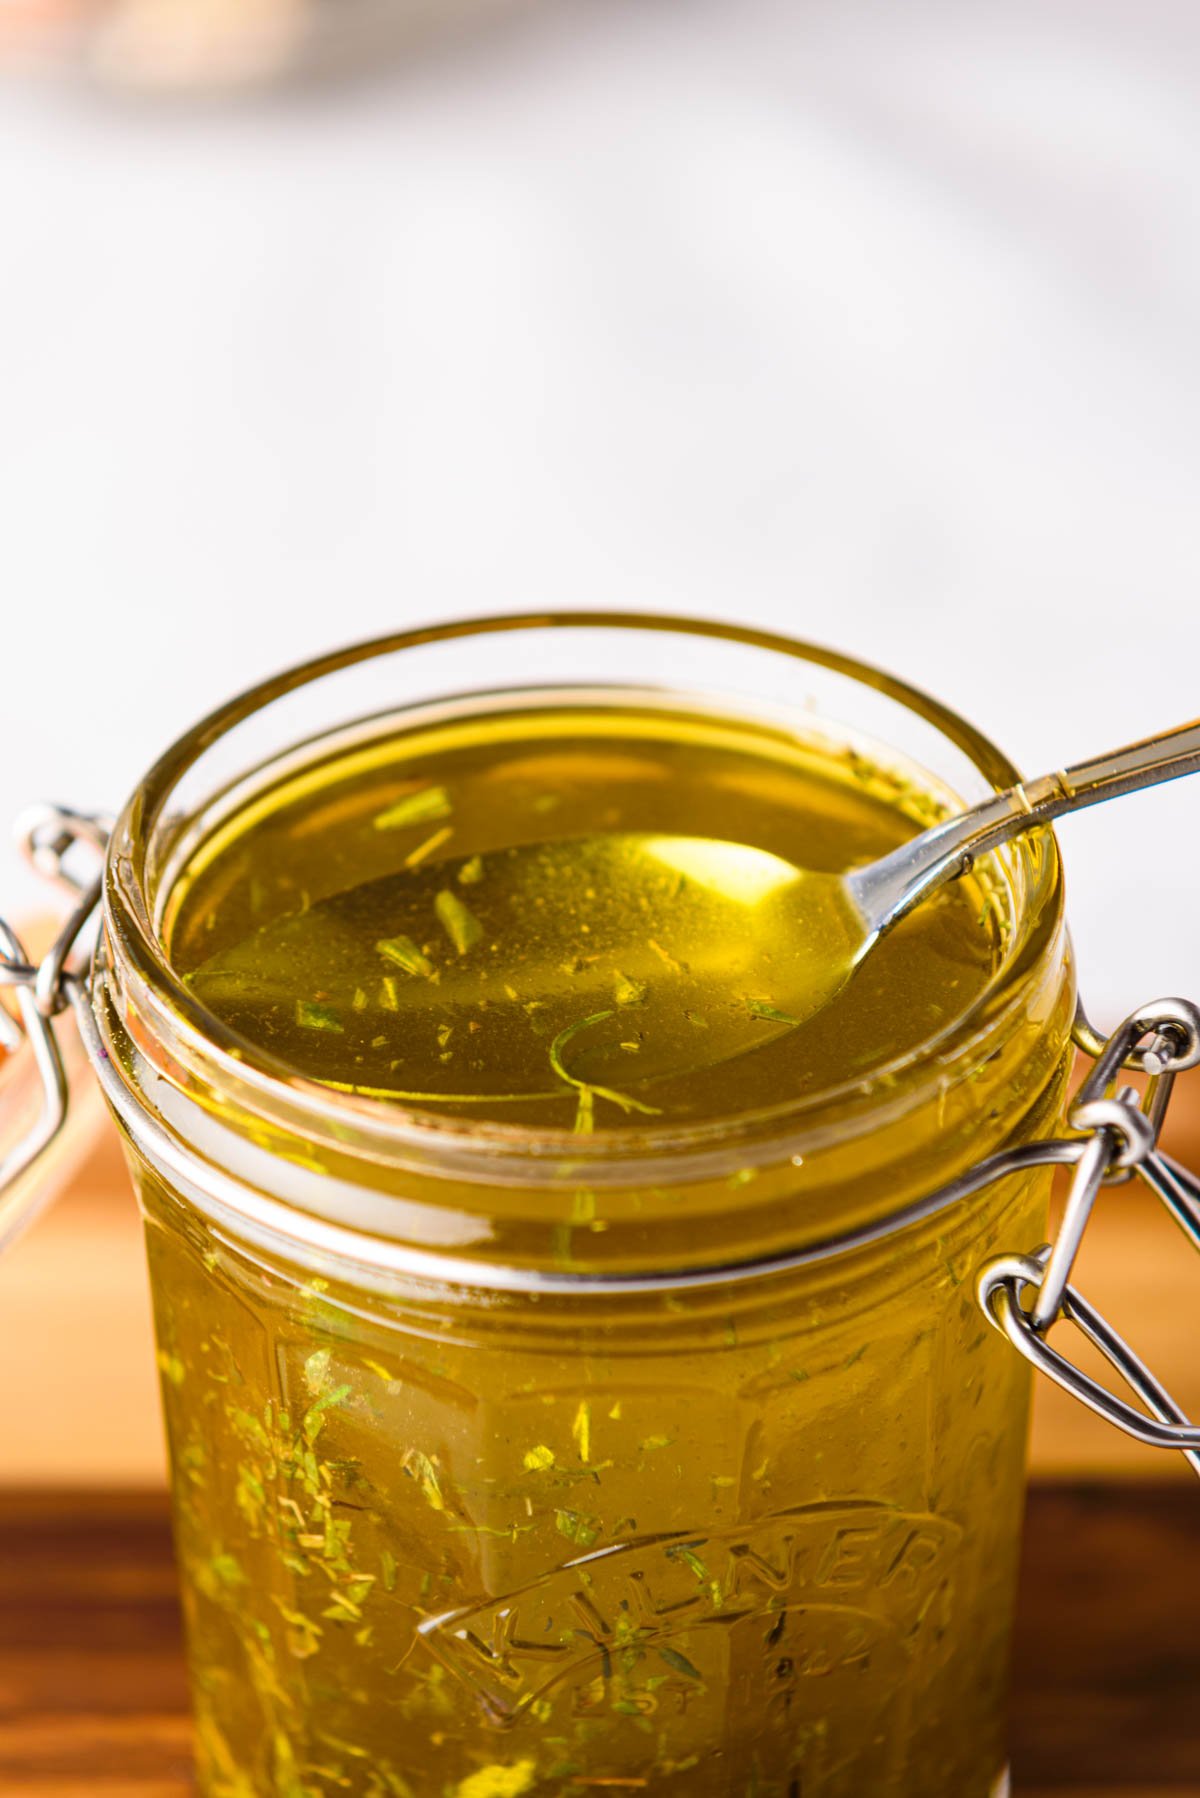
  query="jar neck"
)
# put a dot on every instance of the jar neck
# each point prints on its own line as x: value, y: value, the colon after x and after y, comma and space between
x: 693, y: 1196
x: 688, y: 1200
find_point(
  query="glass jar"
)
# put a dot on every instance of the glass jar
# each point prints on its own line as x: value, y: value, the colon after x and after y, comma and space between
x: 510, y: 1462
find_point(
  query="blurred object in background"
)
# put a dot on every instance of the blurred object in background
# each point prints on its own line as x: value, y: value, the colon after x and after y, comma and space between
x: 211, y: 45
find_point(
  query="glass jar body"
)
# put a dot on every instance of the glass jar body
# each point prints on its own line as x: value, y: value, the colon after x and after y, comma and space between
x: 756, y: 1540
x: 511, y: 1464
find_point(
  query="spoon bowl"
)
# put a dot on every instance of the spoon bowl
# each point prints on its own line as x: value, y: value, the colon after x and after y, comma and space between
x: 686, y: 952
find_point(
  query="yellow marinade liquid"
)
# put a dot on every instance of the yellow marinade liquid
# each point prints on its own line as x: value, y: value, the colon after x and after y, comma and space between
x: 730, y: 1544
x: 577, y: 919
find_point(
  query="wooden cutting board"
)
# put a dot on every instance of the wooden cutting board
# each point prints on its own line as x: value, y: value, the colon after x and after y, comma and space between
x: 93, y: 1697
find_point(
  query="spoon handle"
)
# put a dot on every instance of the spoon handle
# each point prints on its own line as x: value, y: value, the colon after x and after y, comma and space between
x: 891, y: 886
x: 1142, y: 764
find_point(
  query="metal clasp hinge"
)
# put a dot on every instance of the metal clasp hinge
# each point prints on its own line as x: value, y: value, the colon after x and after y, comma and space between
x: 42, y: 989
x: 1120, y: 1132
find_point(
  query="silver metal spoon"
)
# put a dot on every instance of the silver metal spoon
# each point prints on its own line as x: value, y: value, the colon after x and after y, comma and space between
x: 846, y: 914
x: 881, y: 893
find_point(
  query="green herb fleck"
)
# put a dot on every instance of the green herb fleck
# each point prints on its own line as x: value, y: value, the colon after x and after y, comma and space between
x: 627, y: 991
x: 311, y: 1016
x: 419, y: 1467
x: 314, y: 1418
x: 227, y: 1569
x: 689, y: 1557
x: 760, y: 1009
x: 304, y: 1636
x: 578, y: 1527
x: 343, y: 1747
x: 404, y: 953
x: 424, y: 850
x: 457, y: 920
x: 679, y: 1663
x: 588, y: 1093
x: 421, y: 807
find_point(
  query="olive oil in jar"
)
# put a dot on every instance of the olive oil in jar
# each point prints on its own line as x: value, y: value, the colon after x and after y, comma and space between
x: 582, y: 918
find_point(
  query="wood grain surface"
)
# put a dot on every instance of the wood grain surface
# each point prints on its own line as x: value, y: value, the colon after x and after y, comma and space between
x: 1106, y: 1703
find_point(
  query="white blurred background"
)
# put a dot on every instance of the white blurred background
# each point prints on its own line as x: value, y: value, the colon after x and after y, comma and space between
x: 874, y: 323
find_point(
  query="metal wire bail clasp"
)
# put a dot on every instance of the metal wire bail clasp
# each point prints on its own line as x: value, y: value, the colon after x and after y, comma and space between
x: 45, y: 834
x: 1119, y: 1138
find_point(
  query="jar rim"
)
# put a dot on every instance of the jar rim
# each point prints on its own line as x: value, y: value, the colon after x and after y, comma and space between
x: 136, y: 953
